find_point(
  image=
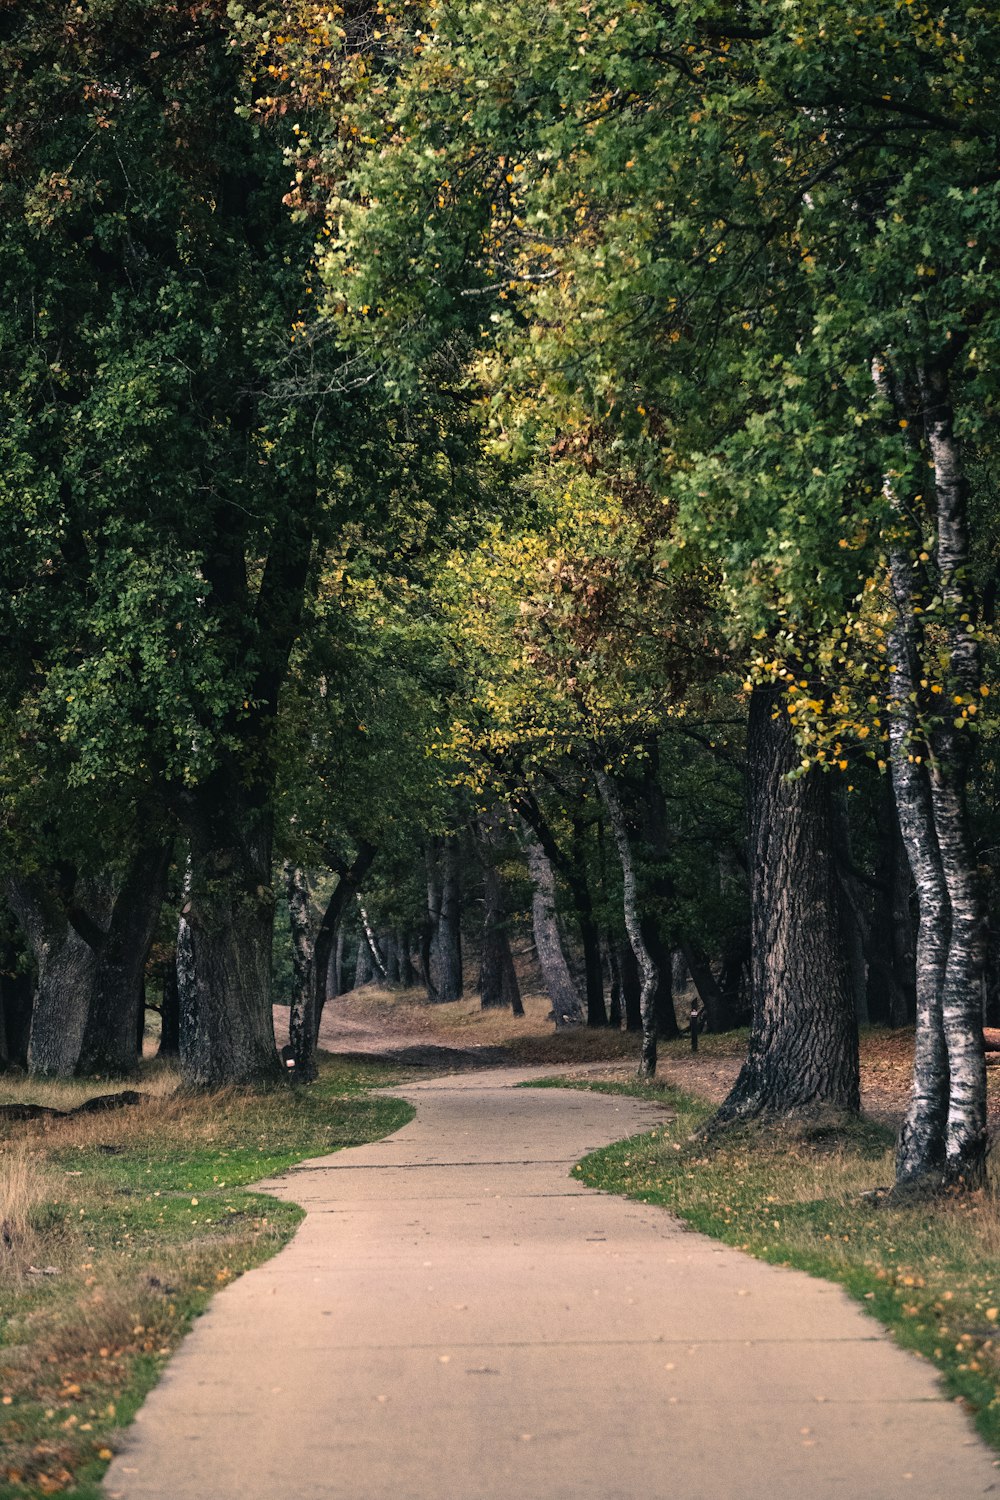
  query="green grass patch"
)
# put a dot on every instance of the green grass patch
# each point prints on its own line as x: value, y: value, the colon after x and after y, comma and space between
x: 795, y: 1195
x: 143, y: 1213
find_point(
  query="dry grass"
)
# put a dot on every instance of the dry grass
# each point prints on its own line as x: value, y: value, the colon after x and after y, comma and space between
x: 23, y: 1189
x: 405, y: 1017
x: 141, y: 1213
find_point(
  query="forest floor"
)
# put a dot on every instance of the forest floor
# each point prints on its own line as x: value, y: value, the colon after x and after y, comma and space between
x: 404, y: 1028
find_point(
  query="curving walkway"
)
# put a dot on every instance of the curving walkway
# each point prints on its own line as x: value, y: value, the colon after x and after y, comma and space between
x: 458, y: 1319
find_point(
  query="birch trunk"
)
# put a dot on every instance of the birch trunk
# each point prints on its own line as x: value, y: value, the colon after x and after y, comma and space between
x: 961, y: 993
x: 377, y: 961
x: 920, y: 1149
x: 633, y: 925
x: 943, y: 1139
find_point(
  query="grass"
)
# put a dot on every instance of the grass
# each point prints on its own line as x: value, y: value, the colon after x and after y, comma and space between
x: 795, y: 1195
x: 141, y: 1214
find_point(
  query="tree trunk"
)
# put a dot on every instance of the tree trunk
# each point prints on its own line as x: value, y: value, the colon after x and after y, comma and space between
x: 66, y: 967
x: 428, y: 931
x: 449, y: 927
x: 663, y: 1001
x: 555, y: 971
x: 803, y: 1051
x: 374, y: 951
x: 231, y: 921
x: 335, y: 966
x: 117, y: 1011
x: 961, y: 991
x: 407, y: 973
x: 647, y: 967
x: 301, y: 1011
x: 390, y: 948
x: 590, y: 933
x: 718, y: 1012
x: 364, y: 970
x: 498, y: 985
x: 616, y: 1012
x: 943, y: 1139
x: 328, y: 954
x: 186, y: 995
x: 573, y: 870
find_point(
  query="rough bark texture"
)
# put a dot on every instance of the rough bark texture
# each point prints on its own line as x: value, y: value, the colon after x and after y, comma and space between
x: 230, y: 1038
x: 558, y: 981
x: 229, y: 816
x: 112, y: 1036
x: 66, y: 968
x: 803, y: 1051
x: 663, y: 1000
x: 633, y: 925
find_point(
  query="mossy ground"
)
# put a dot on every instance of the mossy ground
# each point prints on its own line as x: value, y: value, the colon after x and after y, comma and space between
x: 143, y: 1213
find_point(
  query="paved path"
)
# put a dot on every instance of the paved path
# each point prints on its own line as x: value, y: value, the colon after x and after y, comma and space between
x: 458, y: 1319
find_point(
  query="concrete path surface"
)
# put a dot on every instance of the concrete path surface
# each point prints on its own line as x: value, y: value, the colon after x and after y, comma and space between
x: 458, y: 1319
